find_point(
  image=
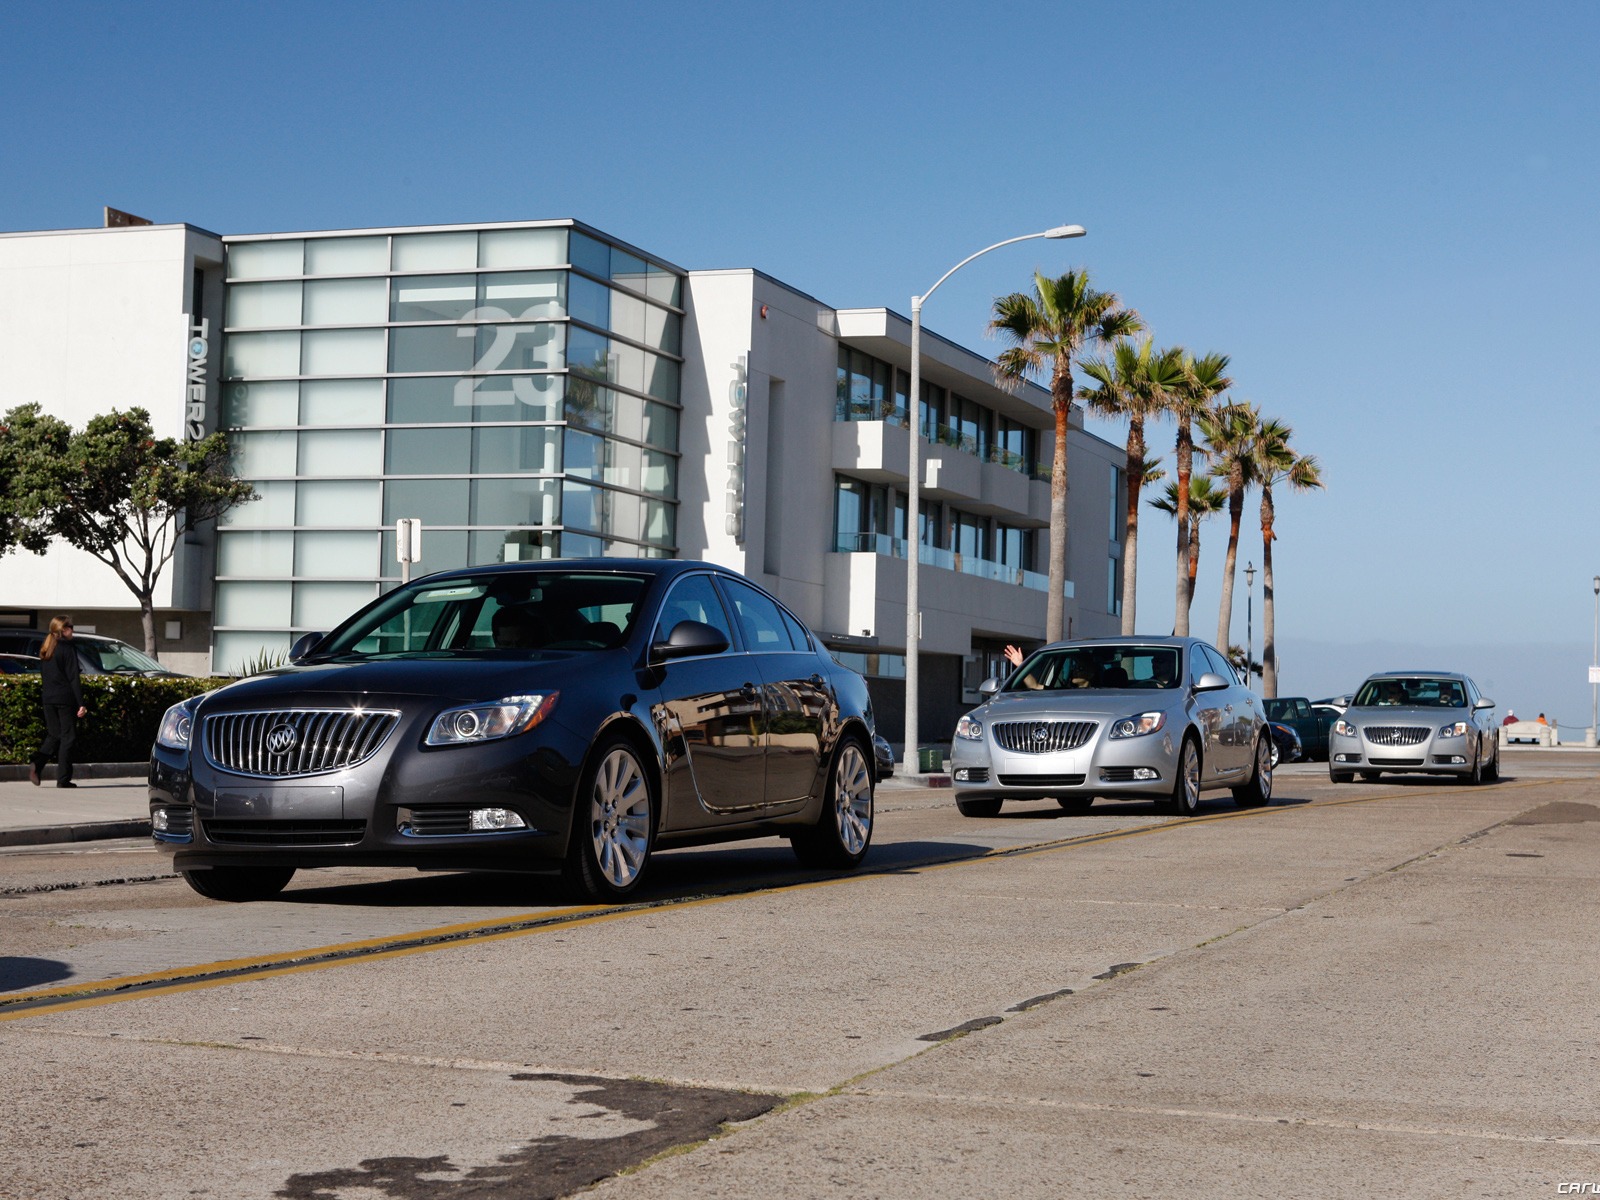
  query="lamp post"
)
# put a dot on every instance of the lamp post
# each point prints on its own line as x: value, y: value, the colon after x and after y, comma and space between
x: 914, y: 484
x: 1249, y: 617
x: 1594, y: 674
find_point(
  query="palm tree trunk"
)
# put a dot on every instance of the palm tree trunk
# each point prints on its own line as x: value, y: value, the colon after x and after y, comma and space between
x: 1269, y: 650
x: 1061, y: 401
x: 1194, y: 553
x: 1230, y: 568
x: 1180, y: 618
x: 1134, y: 476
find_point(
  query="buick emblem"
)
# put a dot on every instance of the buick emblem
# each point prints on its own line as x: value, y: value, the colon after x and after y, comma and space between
x: 1041, y: 732
x: 282, y: 738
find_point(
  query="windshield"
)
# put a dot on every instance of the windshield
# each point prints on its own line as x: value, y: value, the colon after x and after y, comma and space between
x: 506, y: 614
x: 1412, y: 691
x: 114, y: 658
x: 1103, y: 667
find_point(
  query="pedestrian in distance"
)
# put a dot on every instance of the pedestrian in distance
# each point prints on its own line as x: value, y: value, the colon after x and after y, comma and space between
x: 63, y: 703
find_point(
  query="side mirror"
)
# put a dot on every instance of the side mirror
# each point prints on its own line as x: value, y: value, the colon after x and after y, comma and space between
x: 988, y: 688
x: 304, y: 645
x: 1484, y: 702
x: 690, y: 638
x: 1210, y: 682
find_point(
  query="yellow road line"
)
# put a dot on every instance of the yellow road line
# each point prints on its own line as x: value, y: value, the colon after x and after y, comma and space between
x: 230, y: 971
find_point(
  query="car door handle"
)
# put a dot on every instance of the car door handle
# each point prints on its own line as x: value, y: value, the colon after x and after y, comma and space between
x: 816, y: 679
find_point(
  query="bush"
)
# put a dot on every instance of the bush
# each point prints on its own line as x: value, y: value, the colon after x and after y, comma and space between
x: 124, y: 713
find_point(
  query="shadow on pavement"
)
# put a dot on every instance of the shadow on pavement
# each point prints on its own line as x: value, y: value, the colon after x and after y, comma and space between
x: 19, y: 974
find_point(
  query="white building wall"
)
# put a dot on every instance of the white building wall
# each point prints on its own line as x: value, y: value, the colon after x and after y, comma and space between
x: 91, y: 320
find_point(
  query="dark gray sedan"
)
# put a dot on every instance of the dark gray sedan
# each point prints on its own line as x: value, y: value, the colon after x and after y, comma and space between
x: 1163, y: 718
x: 567, y: 717
x: 1435, y: 722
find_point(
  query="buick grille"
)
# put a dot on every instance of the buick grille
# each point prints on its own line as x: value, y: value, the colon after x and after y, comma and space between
x: 298, y: 741
x: 1042, y: 737
x: 1396, y: 735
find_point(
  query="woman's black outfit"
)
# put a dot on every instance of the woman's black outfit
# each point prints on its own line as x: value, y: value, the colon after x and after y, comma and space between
x: 63, y: 697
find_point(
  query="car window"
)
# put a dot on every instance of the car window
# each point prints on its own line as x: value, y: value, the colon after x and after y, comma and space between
x: 114, y: 657
x: 797, y: 631
x: 759, y: 618
x: 1419, y: 691
x: 1217, y: 664
x: 1104, y: 667
x: 693, y: 599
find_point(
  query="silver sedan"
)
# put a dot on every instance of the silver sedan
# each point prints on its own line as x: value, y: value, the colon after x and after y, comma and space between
x: 1436, y: 722
x: 1164, y: 718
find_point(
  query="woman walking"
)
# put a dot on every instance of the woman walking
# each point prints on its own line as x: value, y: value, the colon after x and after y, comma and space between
x: 63, y: 702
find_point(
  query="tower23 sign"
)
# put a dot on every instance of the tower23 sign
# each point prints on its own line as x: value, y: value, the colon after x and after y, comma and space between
x: 194, y: 424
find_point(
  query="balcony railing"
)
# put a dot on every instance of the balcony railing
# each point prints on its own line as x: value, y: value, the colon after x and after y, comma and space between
x: 950, y: 560
x: 860, y: 408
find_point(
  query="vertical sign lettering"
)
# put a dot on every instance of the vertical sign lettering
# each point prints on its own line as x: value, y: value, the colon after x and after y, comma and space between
x: 733, y: 501
x: 194, y: 425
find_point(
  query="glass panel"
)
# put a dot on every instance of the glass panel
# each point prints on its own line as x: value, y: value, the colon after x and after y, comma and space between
x: 250, y: 354
x: 260, y: 404
x: 339, y: 453
x: 442, y: 550
x: 589, y: 301
x: 263, y: 304
x: 347, y: 301
x: 533, y: 398
x: 663, y: 329
x: 582, y: 545
x: 589, y: 353
x: 519, y: 348
x: 429, y: 452
x: 343, y: 352
x: 433, y: 297
x: 346, y: 256
x: 584, y: 456
x: 262, y: 455
x: 341, y: 402
x: 324, y: 605
x: 514, y: 501
x: 512, y: 545
x: 432, y: 348
x: 253, y: 604
x: 255, y: 554
x: 335, y: 555
x: 850, y: 512
x: 628, y: 315
x: 275, y: 507
x: 337, y: 502
x: 662, y: 380
x: 628, y: 269
x: 658, y: 425
x: 527, y: 295
x: 265, y: 260
x: 516, y: 449
x: 658, y: 522
x: 759, y: 619
x: 436, y: 251
x: 230, y: 652
x: 433, y: 501
x: 522, y: 248
x: 663, y: 285
x: 589, y: 255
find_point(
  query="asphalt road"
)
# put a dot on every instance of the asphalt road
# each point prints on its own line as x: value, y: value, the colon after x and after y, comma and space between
x: 1367, y: 990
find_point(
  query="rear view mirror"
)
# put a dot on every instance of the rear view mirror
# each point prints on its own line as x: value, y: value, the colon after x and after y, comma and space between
x: 690, y: 638
x: 1484, y: 702
x: 304, y: 645
x: 988, y: 688
x: 1210, y: 682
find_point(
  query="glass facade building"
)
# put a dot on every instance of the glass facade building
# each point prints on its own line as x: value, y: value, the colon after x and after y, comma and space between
x: 514, y: 387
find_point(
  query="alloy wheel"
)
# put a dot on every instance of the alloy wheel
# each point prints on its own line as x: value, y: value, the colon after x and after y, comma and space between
x: 619, y: 818
x: 852, y: 799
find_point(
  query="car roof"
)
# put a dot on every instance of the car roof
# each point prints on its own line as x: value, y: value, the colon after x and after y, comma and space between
x: 1417, y: 674
x: 1132, y: 639
x: 609, y: 566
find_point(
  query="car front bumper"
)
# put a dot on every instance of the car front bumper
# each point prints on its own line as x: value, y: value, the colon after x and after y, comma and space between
x: 1134, y: 767
x: 1433, y: 754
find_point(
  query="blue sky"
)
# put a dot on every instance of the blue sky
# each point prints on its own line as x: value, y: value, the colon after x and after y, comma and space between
x: 1386, y: 215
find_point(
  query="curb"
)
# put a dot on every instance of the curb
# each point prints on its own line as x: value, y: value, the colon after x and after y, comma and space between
x: 17, y: 772
x: 86, y: 832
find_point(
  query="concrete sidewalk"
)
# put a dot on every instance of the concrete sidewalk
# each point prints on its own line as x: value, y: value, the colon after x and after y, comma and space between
x: 101, y: 806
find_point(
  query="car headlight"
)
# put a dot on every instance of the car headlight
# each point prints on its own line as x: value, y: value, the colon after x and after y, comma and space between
x: 970, y: 728
x: 1459, y: 729
x: 1138, y: 725
x: 177, y: 725
x: 1345, y: 729
x: 486, y: 722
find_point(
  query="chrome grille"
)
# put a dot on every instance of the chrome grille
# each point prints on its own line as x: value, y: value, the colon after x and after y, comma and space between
x: 1396, y: 735
x: 323, y: 739
x: 1042, y: 737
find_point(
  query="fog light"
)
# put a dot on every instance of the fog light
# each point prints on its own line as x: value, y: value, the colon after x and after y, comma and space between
x: 1457, y: 760
x: 1143, y: 773
x: 1347, y: 758
x: 496, y: 818
x: 158, y: 820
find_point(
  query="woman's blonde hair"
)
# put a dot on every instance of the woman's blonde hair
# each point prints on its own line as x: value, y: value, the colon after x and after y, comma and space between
x: 57, y: 624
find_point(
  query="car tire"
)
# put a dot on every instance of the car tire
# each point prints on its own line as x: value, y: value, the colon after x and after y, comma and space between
x: 239, y: 885
x: 1475, y: 776
x: 1492, y: 771
x: 1276, y: 753
x: 978, y: 806
x: 843, y: 831
x: 613, y: 825
x: 1257, y: 793
x: 1185, y: 798
x: 1076, y: 805
x: 1341, y: 776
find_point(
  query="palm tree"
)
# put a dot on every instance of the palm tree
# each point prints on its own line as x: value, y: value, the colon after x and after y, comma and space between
x: 1230, y: 436
x: 1061, y: 317
x: 1276, y: 462
x: 1204, y: 379
x: 1236, y: 657
x: 1135, y: 384
x: 1205, y: 499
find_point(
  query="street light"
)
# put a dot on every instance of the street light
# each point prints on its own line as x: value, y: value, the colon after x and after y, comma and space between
x: 914, y: 483
x: 1594, y: 674
x: 1249, y: 617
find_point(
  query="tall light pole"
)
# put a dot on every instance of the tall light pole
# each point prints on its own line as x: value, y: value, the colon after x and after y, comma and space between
x: 1594, y: 670
x: 1249, y: 617
x: 914, y: 484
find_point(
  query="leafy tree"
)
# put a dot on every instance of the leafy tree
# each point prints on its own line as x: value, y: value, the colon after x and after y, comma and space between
x: 1060, y: 318
x: 19, y: 431
x: 1277, y: 462
x: 1236, y: 659
x: 118, y: 492
x: 1135, y: 383
x: 1230, y: 435
x: 1204, y: 379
